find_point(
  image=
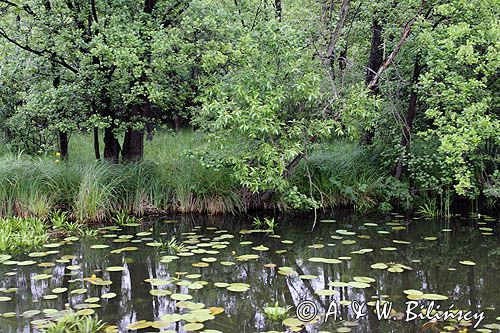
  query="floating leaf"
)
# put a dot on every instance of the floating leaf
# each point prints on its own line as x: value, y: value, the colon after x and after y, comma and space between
x: 99, y: 246
x: 326, y: 292
x: 209, y: 259
x: 115, y: 268
x: 292, y: 322
x: 73, y: 267
x: 160, y: 292
x: 238, y: 287
x: 171, y: 317
x: 85, y: 312
x: 181, y: 297
x: 434, y: 297
x: 108, y: 295
x: 360, y: 285
x: 59, y: 290
x: 139, y: 325
x: 193, y: 327
x: 78, y: 291
x: 260, y: 248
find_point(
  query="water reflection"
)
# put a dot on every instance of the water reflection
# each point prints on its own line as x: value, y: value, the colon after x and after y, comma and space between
x: 434, y: 267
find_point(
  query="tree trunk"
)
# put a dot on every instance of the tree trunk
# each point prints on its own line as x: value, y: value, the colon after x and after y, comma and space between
x: 133, y: 145
x: 133, y: 142
x: 63, y: 144
x: 374, y: 62
x: 408, y: 121
x: 97, y: 149
x: 111, y: 146
x: 278, y: 8
x: 376, y: 54
x: 177, y: 124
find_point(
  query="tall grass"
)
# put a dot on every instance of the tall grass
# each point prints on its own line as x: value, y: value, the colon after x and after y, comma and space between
x: 28, y: 186
x: 92, y: 190
x: 170, y: 180
x: 345, y: 174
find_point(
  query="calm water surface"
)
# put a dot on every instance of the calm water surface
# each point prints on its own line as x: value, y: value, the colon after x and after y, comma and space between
x: 429, y: 252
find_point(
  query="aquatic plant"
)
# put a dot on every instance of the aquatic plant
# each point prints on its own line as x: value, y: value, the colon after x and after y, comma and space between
x: 266, y: 223
x: 345, y: 174
x: 18, y: 234
x: 72, y: 322
x: 271, y: 224
x: 258, y: 223
x: 60, y: 222
x: 276, y: 312
x: 123, y: 218
x: 174, y: 245
x: 428, y: 207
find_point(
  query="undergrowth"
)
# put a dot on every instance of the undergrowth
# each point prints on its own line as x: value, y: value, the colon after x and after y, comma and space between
x: 169, y: 179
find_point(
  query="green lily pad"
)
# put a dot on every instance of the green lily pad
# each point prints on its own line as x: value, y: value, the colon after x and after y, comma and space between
x: 115, y: 268
x: 181, y: 297
x: 59, y: 290
x: 191, y: 327
x: 138, y: 325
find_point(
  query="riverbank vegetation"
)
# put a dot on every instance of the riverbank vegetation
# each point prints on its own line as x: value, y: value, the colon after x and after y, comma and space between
x: 225, y: 107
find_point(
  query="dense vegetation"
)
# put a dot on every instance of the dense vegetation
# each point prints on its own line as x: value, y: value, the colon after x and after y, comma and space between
x: 290, y: 104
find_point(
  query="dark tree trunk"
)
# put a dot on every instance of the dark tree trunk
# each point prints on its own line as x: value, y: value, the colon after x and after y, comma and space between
x: 374, y: 62
x: 408, y: 121
x: 151, y: 116
x: 177, y: 124
x: 278, y: 7
x: 97, y: 149
x: 376, y: 54
x: 63, y: 144
x: 149, y: 132
x: 133, y: 142
x: 111, y: 146
x: 133, y: 145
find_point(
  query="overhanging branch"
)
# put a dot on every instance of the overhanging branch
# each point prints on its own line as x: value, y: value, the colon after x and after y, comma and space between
x: 53, y: 57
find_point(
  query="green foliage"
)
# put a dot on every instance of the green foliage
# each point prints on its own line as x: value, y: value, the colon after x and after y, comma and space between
x: 173, y: 245
x: 268, y: 224
x: 344, y: 174
x: 276, y: 312
x: 98, y: 191
x: 60, y: 222
x: 18, y: 234
x: 263, y: 87
x: 71, y: 322
x: 460, y: 89
x: 123, y: 218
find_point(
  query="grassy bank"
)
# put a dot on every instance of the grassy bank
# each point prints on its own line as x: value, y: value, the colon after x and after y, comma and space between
x: 166, y: 180
x: 342, y: 174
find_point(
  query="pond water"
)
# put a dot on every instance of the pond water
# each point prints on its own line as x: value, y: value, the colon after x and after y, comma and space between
x: 224, y: 275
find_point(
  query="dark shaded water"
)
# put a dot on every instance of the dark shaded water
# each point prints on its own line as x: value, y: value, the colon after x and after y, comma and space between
x: 431, y: 259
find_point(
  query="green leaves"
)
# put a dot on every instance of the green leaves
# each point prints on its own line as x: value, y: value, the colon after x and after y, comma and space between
x: 458, y: 90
